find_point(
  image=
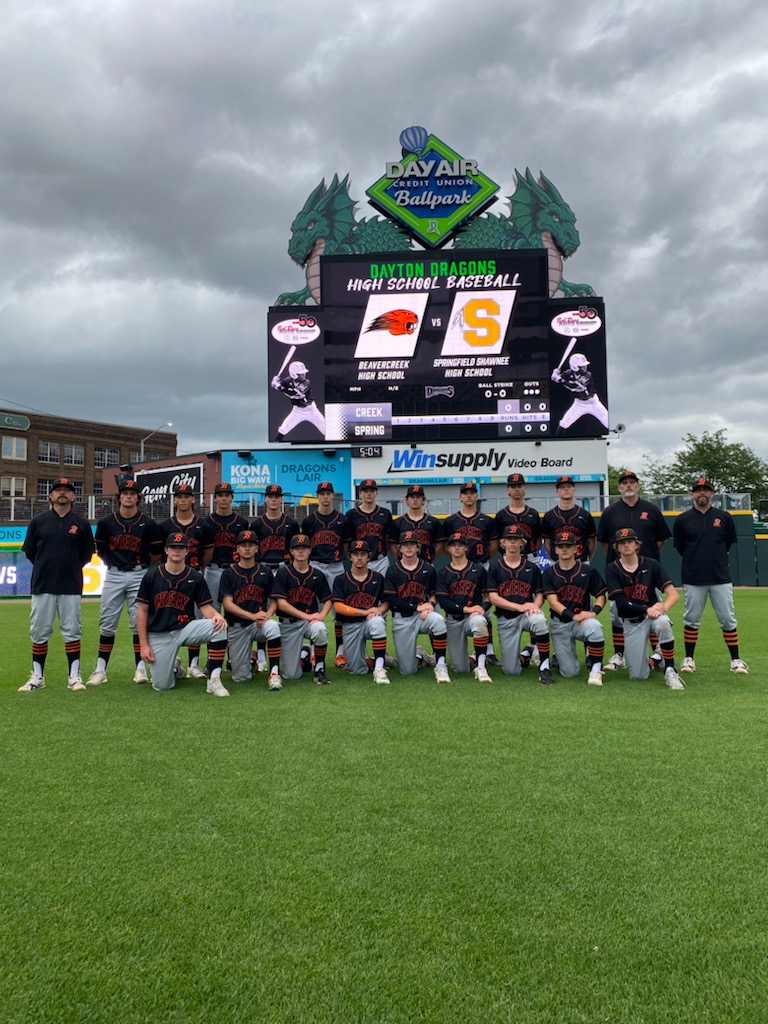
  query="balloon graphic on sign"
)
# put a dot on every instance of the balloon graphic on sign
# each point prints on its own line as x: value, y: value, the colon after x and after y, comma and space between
x: 414, y: 139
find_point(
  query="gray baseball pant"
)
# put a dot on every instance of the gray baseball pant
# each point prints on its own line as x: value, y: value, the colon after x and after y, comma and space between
x: 404, y: 634
x: 510, y: 633
x: 166, y: 646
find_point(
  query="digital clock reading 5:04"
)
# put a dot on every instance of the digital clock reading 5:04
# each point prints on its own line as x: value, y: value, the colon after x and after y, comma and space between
x: 369, y: 451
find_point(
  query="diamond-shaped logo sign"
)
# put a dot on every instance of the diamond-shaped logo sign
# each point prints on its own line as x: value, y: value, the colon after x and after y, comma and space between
x: 432, y: 190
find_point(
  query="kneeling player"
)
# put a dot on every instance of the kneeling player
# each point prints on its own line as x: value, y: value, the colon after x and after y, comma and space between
x: 360, y: 610
x: 515, y: 590
x: 570, y: 587
x: 166, y: 621
x: 245, y: 590
x: 461, y: 592
x: 409, y: 587
x: 303, y: 601
x: 633, y: 582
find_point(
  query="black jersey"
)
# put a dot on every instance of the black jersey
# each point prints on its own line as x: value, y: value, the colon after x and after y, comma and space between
x: 306, y: 591
x: 220, y: 533
x: 274, y: 538
x: 363, y: 594
x: 574, y: 587
x: 125, y: 543
x: 528, y: 519
x: 171, y: 599
x: 375, y: 528
x: 704, y: 540
x: 634, y: 591
x: 643, y: 517
x: 519, y: 584
x: 325, y: 532
x: 297, y: 390
x: 457, y: 589
x: 428, y: 532
x: 406, y: 589
x: 477, y: 530
x: 193, y: 532
x: 250, y: 589
x: 58, y: 547
x: 576, y: 519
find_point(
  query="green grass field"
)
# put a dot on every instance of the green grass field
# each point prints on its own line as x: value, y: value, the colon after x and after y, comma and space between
x: 356, y: 853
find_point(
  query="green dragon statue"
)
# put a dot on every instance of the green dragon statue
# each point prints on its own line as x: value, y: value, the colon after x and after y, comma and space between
x: 326, y: 226
x: 539, y: 218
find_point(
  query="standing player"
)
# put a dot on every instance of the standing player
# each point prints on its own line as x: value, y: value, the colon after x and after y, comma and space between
x: 220, y: 531
x: 515, y: 590
x: 295, y: 385
x: 303, y: 601
x: 371, y: 523
x: 426, y: 527
x: 576, y: 596
x: 633, y: 582
x: 568, y: 515
x: 246, y: 597
x: 579, y: 381
x: 409, y: 587
x: 128, y: 542
x: 185, y: 520
x: 633, y: 513
x: 59, y: 543
x: 517, y: 513
x: 325, y: 529
x: 274, y: 530
x: 168, y: 596
x: 460, y: 591
x: 360, y: 609
x: 703, y: 535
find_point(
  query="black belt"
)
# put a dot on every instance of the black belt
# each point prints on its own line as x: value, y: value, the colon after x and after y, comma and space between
x: 635, y: 621
x: 222, y: 565
x: 127, y: 568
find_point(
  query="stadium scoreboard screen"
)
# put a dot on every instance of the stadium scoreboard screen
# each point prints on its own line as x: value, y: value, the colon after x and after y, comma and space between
x: 457, y: 346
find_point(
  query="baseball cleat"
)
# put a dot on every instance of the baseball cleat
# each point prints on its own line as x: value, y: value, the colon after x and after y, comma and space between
x: 75, y: 682
x: 341, y: 661
x: 321, y: 678
x: 423, y: 657
x: 33, y: 683
x: 545, y: 676
x: 389, y: 661
x: 96, y: 678
x: 441, y: 674
x: 741, y: 668
x: 688, y: 665
x: 655, y: 664
x: 140, y: 676
x: 526, y: 655
x: 673, y: 680
x: 178, y: 670
x: 195, y: 672
x: 595, y: 677
x: 535, y: 657
x: 261, y: 665
x: 491, y: 659
x: 275, y: 682
x: 380, y: 676
x: 616, y: 661
x: 217, y: 688
x: 482, y: 675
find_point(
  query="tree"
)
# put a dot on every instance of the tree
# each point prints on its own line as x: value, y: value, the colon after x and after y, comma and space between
x: 614, y: 472
x: 732, y: 468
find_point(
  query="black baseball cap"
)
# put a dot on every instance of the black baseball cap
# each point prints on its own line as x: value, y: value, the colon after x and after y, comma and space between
x: 246, y: 537
x: 409, y: 537
x: 563, y: 480
x: 469, y: 486
x: 177, y: 540
x: 128, y: 484
x: 359, y: 545
x: 63, y: 481
x: 628, y: 475
x: 368, y: 485
x: 627, y: 533
x: 702, y: 484
x: 415, y: 490
x: 273, y: 490
x: 513, y: 532
x: 325, y: 485
x: 223, y: 488
x: 184, y: 489
x: 457, y: 538
x: 515, y: 479
x: 565, y: 537
x: 301, y: 540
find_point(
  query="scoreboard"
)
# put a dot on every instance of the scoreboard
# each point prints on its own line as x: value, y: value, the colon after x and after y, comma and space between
x: 412, y: 347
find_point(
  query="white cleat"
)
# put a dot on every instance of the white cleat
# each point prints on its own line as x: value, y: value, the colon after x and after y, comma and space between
x: 441, y: 674
x: 380, y: 676
x: 140, y: 676
x: 195, y: 672
x: 673, y: 680
x: 482, y: 675
x: 535, y: 657
x: 261, y: 665
x: 96, y: 678
x: 178, y: 670
x: 274, y: 682
x: 33, y: 683
x: 217, y: 688
x: 423, y: 657
x: 595, y: 677
x: 616, y: 661
x: 741, y: 668
x: 688, y: 665
x: 75, y: 683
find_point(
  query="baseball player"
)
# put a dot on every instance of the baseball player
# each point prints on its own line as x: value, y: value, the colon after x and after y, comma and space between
x: 460, y: 591
x: 579, y: 381
x: 568, y: 515
x: 168, y: 596
x: 185, y: 520
x: 361, y: 610
x: 517, y: 513
x: 274, y: 529
x: 58, y: 543
x: 371, y: 523
x: 409, y: 587
x: 220, y: 531
x: 576, y: 596
x: 294, y: 384
x: 515, y: 590
x: 704, y: 535
x: 633, y: 581
x: 127, y: 541
x: 246, y: 598
x: 634, y: 513
x: 303, y: 601
x: 325, y: 529
x: 428, y: 529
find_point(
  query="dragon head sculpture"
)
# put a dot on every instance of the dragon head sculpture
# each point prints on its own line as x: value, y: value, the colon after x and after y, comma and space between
x: 537, y: 207
x: 327, y: 215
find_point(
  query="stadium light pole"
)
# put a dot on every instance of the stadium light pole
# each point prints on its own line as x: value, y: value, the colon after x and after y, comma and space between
x: 141, y: 449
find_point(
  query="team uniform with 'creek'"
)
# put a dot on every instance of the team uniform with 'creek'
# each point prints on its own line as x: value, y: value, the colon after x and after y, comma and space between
x: 529, y: 522
x: 375, y: 528
x: 405, y: 589
x: 428, y: 531
x: 193, y: 532
x: 457, y: 589
x: 307, y: 592
x: 327, y: 551
x: 520, y: 585
x: 577, y: 520
x: 574, y: 588
x: 274, y: 539
x: 477, y: 530
x: 219, y: 533
x: 360, y: 594
x: 251, y: 590
x: 633, y: 593
x: 126, y: 546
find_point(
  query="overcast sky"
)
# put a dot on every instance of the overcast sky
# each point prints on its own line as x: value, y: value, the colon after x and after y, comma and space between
x: 153, y: 156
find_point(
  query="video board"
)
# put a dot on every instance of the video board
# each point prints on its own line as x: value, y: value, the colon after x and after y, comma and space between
x: 467, y: 346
